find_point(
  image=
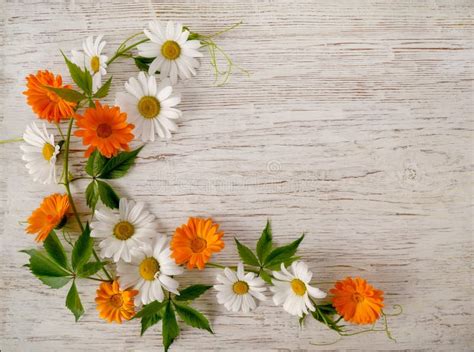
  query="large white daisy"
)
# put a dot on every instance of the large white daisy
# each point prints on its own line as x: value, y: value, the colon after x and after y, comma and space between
x: 150, y: 271
x: 132, y: 227
x: 174, y: 54
x: 150, y: 107
x: 91, y: 58
x: 40, y: 153
x: 238, y: 290
x: 291, y: 288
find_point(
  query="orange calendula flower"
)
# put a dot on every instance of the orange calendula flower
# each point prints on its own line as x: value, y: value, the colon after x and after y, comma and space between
x: 45, y: 103
x: 194, y: 242
x: 114, y: 304
x: 104, y: 128
x: 357, y: 301
x: 51, y: 214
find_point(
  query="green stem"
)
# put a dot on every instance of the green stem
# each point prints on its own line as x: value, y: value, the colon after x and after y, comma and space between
x: 96, y: 279
x: 68, y: 189
x: 119, y: 53
x: 13, y: 140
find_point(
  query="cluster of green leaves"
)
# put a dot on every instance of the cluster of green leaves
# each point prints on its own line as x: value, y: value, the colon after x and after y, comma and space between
x: 268, y: 257
x: 55, y: 269
x: 83, y: 80
x: 101, y: 168
x: 166, y: 311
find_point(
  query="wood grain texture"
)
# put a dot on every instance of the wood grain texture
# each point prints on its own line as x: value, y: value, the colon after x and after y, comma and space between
x: 355, y: 126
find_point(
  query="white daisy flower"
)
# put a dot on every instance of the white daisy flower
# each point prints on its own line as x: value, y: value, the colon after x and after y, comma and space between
x: 237, y: 291
x: 91, y: 58
x: 150, y: 272
x: 150, y: 107
x: 292, y: 289
x: 40, y: 153
x: 174, y: 54
x: 131, y: 228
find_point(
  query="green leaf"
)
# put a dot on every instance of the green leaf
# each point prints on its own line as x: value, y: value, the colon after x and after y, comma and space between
x: 55, y: 282
x: 154, y: 307
x: 266, y: 277
x: 90, y: 269
x: 55, y: 249
x: 246, y: 254
x: 88, y: 81
x: 287, y: 263
x: 170, y: 328
x: 148, y: 322
x: 67, y: 94
x: 325, y: 314
x: 92, y: 194
x: 118, y: 165
x: 41, y: 265
x: 82, y: 250
x: 143, y: 63
x: 95, y: 163
x: 78, y: 75
x: 103, y: 91
x: 108, y: 195
x: 264, y: 244
x: 192, y: 292
x: 192, y: 317
x: 73, y: 302
x: 281, y: 254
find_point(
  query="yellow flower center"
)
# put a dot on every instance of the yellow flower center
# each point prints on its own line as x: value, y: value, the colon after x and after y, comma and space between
x: 358, y: 298
x: 170, y: 50
x: 298, y: 287
x: 148, y: 268
x: 116, y: 300
x: 149, y: 107
x: 124, y: 230
x: 48, y: 151
x: 104, y: 130
x: 198, y: 245
x: 95, y: 64
x: 240, y: 287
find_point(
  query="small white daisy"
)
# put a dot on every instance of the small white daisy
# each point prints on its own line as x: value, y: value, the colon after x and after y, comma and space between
x: 131, y: 228
x: 150, y: 272
x: 292, y: 289
x: 91, y: 58
x: 237, y: 291
x: 174, y: 54
x: 150, y: 107
x: 40, y: 153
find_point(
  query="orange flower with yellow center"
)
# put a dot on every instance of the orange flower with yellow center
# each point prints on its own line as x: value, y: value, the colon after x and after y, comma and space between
x: 105, y: 128
x: 51, y: 214
x: 114, y: 304
x: 194, y: 242
x: 357, y: 301
x: 45, y: 103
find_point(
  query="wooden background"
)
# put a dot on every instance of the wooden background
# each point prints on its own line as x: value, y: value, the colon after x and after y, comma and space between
x: 355, y: 127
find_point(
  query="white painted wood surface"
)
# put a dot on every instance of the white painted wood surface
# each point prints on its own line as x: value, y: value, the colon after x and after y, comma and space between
x: 355, y: 126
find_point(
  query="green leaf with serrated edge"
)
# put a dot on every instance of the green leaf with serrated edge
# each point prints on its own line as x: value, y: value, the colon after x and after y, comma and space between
x: 280, y: 254
x: 192, y: 292
x: 95, y: 163
x: 55, y: 282
x: 266, y: 277
x: 77, y: 74
x: 90, y: 268
x: 92, y: 194
x: 103, y: 91
x: 73, y: 302
x: 246, y: 254
x: 150, y: 309
x: 88, y: 80
x: 107, y: 195
x: 82, y: 250
x: 55, y: 249
x: 286, y: 263
x: 118, y: 165
x: 264, y: 244
x: 67, y: 94
x: 170, y: 328
x: 192, y: 317
x: 148, y: 322
x: 42, y: 265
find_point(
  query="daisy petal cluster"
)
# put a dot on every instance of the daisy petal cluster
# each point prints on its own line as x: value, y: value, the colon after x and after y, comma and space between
x: 137, y: 268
